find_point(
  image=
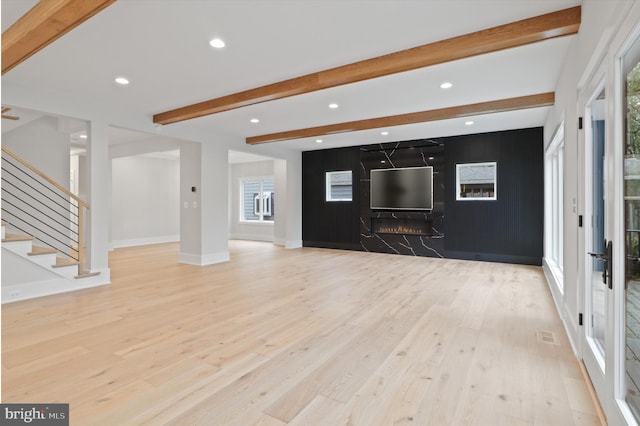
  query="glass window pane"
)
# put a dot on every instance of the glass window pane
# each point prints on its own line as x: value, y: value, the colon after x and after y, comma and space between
x: 476, y: 181
x: 339, y: 186
x: 597, y: 306
x: 257, y: 201
x: 250, y: 206
x: 554, y: 206
x: 554, y: 200
x: 268, y: 191
x: 560, y: 206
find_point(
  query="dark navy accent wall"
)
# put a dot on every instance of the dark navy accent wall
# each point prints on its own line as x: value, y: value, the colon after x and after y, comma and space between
x: 509, y: 229
x: 329, y: 224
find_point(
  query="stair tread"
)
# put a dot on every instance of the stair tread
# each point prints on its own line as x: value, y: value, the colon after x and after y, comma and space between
x: 16, y: 237
x: 61, y: 262
x: 86, y: 275
x: 36, y: 250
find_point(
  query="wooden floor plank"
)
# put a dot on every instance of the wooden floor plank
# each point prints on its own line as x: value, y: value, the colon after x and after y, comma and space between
x: 301, y: 337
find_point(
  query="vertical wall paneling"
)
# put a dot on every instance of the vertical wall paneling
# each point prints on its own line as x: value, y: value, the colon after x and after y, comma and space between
x: 332, y: 224
x: 508, y: 229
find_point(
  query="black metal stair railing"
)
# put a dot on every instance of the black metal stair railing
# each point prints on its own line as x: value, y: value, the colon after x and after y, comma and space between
x: 36, y: 205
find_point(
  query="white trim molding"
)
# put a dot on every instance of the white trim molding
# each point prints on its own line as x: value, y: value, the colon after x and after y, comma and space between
x: 205, y: 259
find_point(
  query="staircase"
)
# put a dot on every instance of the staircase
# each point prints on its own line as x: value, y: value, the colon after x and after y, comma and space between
x: 43, y: 235
x: 46, y: 257
x: 30, y: 270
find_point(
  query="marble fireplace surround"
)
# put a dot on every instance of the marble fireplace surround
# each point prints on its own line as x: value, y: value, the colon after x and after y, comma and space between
x: 415, y: 233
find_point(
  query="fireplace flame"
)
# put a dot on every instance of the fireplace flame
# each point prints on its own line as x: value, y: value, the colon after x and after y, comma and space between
x: 400, y: 229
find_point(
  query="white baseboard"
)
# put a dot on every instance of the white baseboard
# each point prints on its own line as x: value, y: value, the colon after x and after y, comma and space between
x: 205, y: 259
x: 251, y: 237
x: 293, y: 244
x: 145, y: 241
x: 31, y: 290
x: 570, y: 324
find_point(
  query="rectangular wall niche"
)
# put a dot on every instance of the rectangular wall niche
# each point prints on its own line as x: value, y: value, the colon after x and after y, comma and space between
x: 405, y: 226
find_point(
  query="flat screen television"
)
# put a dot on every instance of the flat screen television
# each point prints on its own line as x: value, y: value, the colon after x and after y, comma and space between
x: 408, y: 188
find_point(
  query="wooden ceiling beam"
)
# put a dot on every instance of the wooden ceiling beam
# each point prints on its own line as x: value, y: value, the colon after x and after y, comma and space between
x: 43, y: 24
x: 520, y: 33
x: 502, y: 105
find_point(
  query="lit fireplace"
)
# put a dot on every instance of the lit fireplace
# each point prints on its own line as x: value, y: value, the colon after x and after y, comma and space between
x: 401, y: 226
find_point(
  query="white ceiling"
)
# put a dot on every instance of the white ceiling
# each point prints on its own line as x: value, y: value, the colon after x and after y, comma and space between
x: 162, y: 47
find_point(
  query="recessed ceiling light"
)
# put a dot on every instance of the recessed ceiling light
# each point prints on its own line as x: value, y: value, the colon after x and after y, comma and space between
x: 430, y: 158
x: 446, y: 85
x: 384, y: 133
x: 217, y: 43
x: 122, y: 80
x: 318, y: 140
x: 468, y: 123
x: 83, y: 136
x: 254, y: 120
x: 333, y: 106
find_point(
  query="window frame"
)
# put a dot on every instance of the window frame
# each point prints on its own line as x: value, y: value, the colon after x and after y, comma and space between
x: 261, y: 194
x: 459, y: 166
x: 554, y: 206
x: 327, y: 191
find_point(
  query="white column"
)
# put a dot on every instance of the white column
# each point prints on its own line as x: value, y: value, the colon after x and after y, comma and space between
x: 280, y: 223
x: 190, y: 241
x: 99, y: 198
x: 294, y: 202
x: 215, y: 203
x: 204, y: 222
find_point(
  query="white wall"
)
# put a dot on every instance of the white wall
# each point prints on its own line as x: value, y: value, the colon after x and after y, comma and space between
x: 145, y: 205
x: 40, y: 97
x: 42, y: 144
x: 45, y: 144
x: 600, y: 20
x: 243, y: 230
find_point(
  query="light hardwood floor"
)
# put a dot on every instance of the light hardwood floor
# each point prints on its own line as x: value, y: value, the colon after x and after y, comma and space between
x: 298, y: 337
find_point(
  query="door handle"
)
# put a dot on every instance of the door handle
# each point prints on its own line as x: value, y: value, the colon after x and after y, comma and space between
x: 603, y: 257
x: 598, y: 256
x: 609, y: 264
x: 607, y: 272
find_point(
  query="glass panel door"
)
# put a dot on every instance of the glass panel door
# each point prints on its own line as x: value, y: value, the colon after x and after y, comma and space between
x: 631, y: 75
x: 597, y: 263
